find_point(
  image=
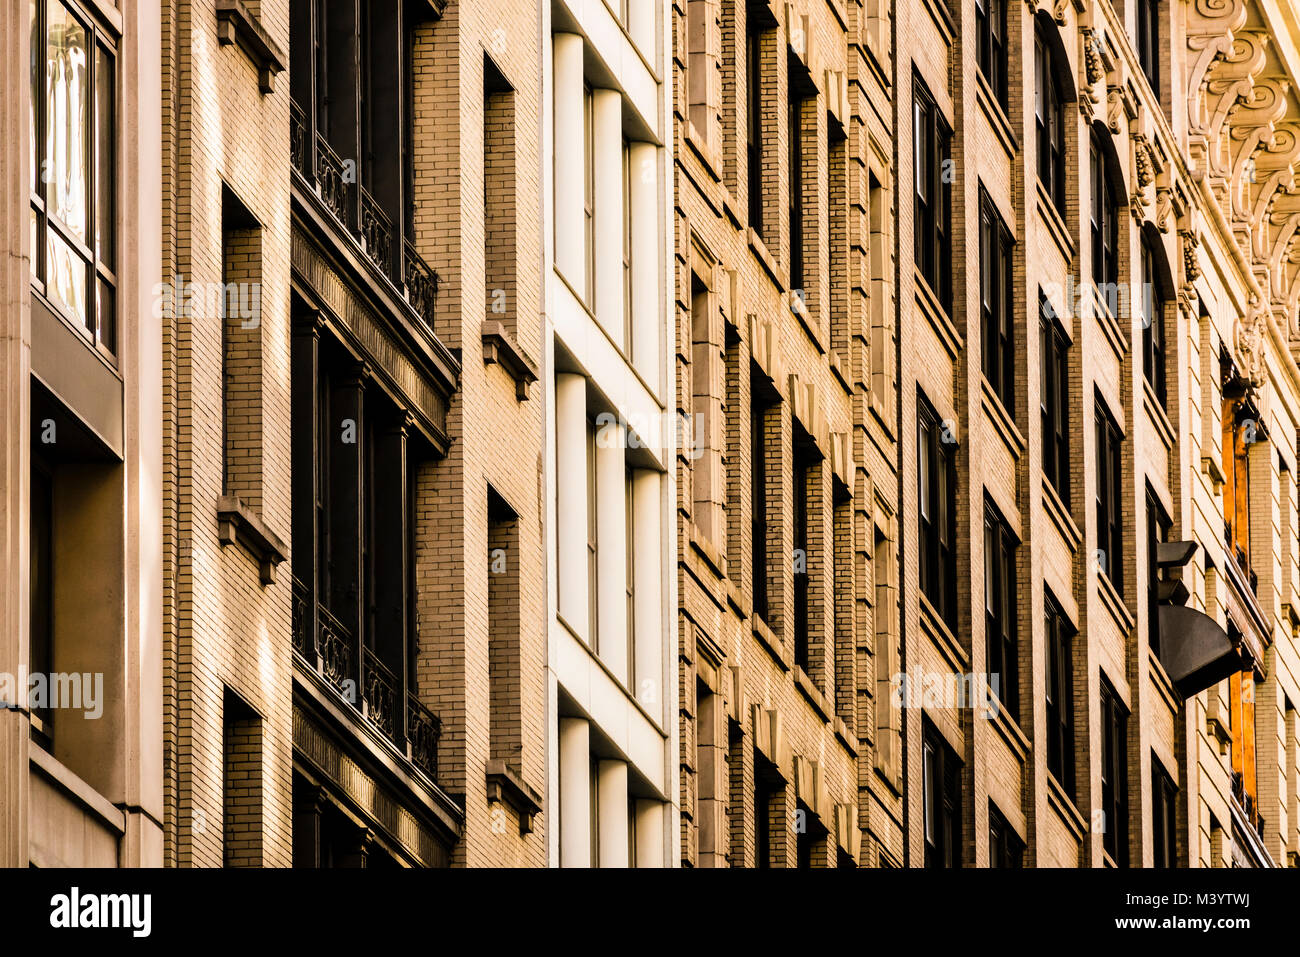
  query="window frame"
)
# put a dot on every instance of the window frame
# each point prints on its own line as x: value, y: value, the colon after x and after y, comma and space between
x: 1006, y: 849
x: 1049, y: 121
x: 1104, y: 218
x: 1054, y: 399
x: 1001, y: 637
x: 1154, y: 344
x: 936, y: 491
x: 1114, y: 774
x: 1147, y: 42
x: 941, y: 768
x: 96, y: 254
x: 1164, y: 816
x: 991, y: 46
x: 1059, y: 694
x: 997, y: 314
x: 931, y: 194
x: 1109, y: 495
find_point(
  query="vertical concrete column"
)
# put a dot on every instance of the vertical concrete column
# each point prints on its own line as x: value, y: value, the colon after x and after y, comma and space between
x: 647, y: 327
x: 649, y: 834
x: 570, y: 147
x: 648, y: 561
x: 571, y: 498
x: 613, y: 812
x: 575, y: 793
x: 611, y: 536
x: 608, y: 160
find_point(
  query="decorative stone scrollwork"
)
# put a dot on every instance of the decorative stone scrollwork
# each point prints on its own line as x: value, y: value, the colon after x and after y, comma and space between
x: 1211, y: 25
x: 1191, y: 265
x: 1249, y: 342
x: 1094, y: 71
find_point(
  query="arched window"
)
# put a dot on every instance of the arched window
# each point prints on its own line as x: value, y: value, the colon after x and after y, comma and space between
x: 1104, y: 214
x: 1049, y: 120
x: 1153, y: 319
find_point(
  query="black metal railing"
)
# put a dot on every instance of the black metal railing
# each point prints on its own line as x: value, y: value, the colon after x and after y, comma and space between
x: 421, y: 284
x: 300, y: 599
x: 379, y: 695
x: 422, y: 732
x: 332, y: 180
x: 298, y: 138
x: 376, y: 232
x: 334, y: 654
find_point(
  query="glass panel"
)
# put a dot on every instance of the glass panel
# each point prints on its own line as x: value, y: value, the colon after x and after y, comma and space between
x: 36, y: 252
x: 105, y: 305
x: 105, y: 184
x: 33, y: 121
x: 66, y: 275
x: 67, y: 91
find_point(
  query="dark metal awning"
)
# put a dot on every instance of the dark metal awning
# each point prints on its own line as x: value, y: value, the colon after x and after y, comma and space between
x: 1195, y: 650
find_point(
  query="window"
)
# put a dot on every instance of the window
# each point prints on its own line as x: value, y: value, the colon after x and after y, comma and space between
x: 241, y: 783
x: 937, y: 479
x: 1164, y: 816
x: 1110, y: 519
x: 1241, y: 427
x: 1054, y: 399
x: 996, y: 303
x: 1114, y: 775
x: 1049, y: 122
x: 1241, y: 724
x: 1060, y: 696
x: 757, y: 38
x: 241, y: 351
x: 804, y: 476
x: 941, y: 772
x: 630, y: 577
x: 589, y: 190
x: 593, y: 547
x: 1158, y: 526
x: 795, y: 161
x: 760, y: 403
x: 1104, y: 212
x: 1005, y: 847
x: 627, y: 249
x: 41, y: 650
x: 1148, y: 41
x: 1153, y: 324
x: 71, y: 135
x: 1000, y: 594
x: 990, y: 33
x: 505, y: 664
x: 932, y: 144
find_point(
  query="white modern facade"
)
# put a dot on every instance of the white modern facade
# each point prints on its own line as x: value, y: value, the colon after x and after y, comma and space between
x: 610, y: 475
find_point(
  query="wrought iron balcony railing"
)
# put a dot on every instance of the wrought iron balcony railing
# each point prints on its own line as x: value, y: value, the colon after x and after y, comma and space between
x: 361, y: 215
x: 423, y: 729
x: 412, y: 728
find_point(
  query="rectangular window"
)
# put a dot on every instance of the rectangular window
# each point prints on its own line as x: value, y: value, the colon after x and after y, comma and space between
x: 241, y: 351
x: 1114, y: 775
x: 1104, y: 223
x: 996, y: 303
x: 759, y: 405
x: 1054, y: 400
x: 1153, y: 325
x: 1239, y: 426
x: 505, y: 664
x: 756, y: 38
x: 932, y: 145
x: 1241, y: 723
x: 1005, y: 847
x: 941, y: 785
x: 589, y: 190
x: 1148, y: 41
x: 1110, y: 518
x: 499, y: 195
x: 1060, y: 696
x: 1049, y: 122
x: 803, y: 468
x: 593, y: 557
x: 630, y: 577
x: 990, y: 36
x: 241, y: 784
x: 937, y: 493
x: 1000, y: 595
x: 795, y: 169
x: 41, y: 649
x: 1164, y: 816
x: 73, y: 174
x: 627, y: 250
x: 1158, y: 525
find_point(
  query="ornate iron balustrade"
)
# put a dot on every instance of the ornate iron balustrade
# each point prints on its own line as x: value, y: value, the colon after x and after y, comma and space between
x: 422, y: 732
x: 379, y: 695
x: 298, y: 139
x: 421, y: 284
x: 332, y: 181
x: 300, y: 617
x: 334, y: 654
x: 376, y: 232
